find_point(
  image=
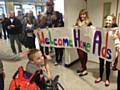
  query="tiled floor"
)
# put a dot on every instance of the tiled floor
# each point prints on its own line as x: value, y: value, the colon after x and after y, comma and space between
x: 68, y: 77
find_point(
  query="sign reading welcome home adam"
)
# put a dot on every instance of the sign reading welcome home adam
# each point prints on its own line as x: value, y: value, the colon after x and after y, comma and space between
x: 97, y: 41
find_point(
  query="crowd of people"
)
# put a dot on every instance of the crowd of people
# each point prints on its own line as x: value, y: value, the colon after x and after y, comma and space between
x: 24, y: 25
x: 15, y: 26
x: 21, y: 28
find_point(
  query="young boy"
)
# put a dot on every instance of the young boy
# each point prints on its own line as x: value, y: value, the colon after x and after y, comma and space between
x: 37, y: 61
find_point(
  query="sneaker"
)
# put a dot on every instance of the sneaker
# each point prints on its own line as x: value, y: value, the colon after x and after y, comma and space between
x: 79, y: 71
x: 98, y: 80
x: 83, y: 73
x: 55, y: 63
x: 107, y: 83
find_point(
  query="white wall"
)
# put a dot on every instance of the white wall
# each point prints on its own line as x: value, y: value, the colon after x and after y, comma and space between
x: 113, y: 6
x: 118, y: 19
x: 95, y: 9
x: 59, y: 6
x: 72, y: 8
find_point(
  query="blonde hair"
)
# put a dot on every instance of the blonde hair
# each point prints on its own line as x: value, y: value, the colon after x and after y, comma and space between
x: 113, y: 19
x: 79, y: 21
x: 83, y: 11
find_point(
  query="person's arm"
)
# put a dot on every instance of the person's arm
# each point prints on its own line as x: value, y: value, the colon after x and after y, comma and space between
x: 48, y: 72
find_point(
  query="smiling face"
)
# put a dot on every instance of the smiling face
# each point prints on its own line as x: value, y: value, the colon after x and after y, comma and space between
x: 109, y: 21
x: 83, y: 16
x: 12, y: 14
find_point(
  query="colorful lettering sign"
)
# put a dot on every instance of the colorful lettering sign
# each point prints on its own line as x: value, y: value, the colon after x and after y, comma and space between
x: 97, y: 41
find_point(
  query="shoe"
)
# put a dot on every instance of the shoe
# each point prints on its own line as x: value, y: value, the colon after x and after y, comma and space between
x: 98, y: 80
x: 107, y: 83
x: 79, y: 71
x: 83, y: 73
x: 114, y: 68
x: 55, y: 63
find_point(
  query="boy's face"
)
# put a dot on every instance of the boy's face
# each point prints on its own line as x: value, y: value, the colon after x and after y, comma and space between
x: 38, y: 58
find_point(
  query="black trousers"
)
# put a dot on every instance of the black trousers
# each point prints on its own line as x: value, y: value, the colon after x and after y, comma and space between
x: 118, y: 80
x: 0, y: 35
x: 1, y: 81
x: 14, y: 38
x: 59, y: 54
x: 30, y: 42
x: 4, y: 32
x: 40, y: 82
x: 46, y: 50
x: 101, y: 68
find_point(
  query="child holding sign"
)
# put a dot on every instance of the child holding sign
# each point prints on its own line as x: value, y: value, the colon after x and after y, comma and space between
x: 109, y: 23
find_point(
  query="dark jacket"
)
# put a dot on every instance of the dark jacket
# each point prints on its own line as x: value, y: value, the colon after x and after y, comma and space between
x: 18, y: 26
x: 58, y: 22
x: 4, y: 22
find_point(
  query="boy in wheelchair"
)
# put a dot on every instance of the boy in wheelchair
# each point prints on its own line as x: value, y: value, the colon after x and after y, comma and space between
x: 37, y: 75
x: 38, y: 62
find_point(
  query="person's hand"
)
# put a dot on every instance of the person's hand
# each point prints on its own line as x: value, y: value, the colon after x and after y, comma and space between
x: 12, y: 26
x: 9, y: 27
x: 118, y: 34
x: 35, y: 32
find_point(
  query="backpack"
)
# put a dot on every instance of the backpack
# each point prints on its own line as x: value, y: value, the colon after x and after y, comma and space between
x: 20, y: 81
